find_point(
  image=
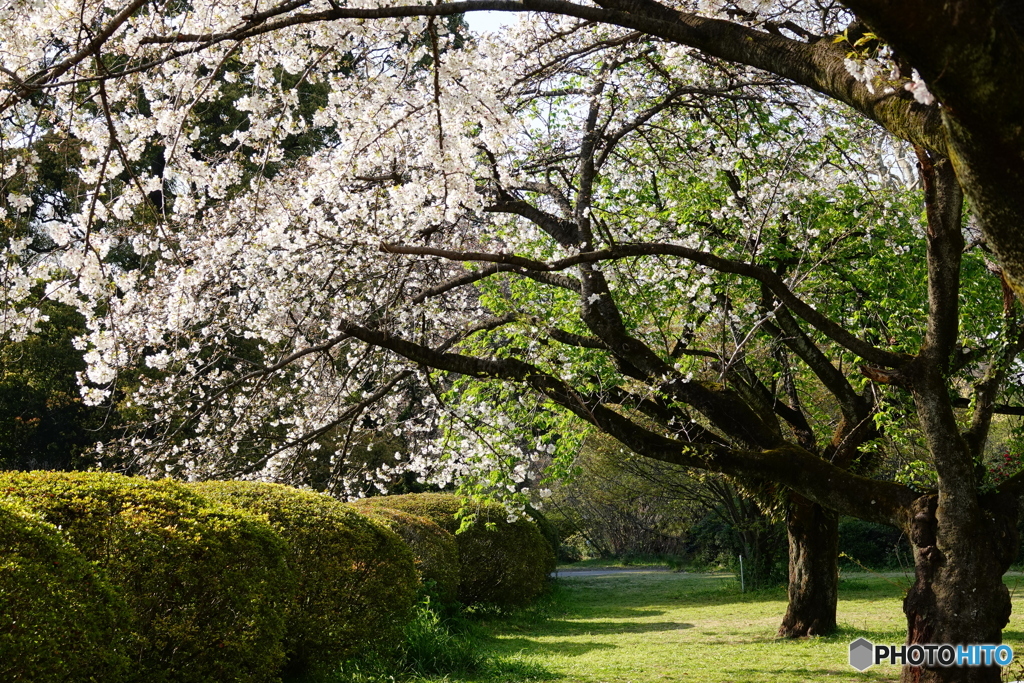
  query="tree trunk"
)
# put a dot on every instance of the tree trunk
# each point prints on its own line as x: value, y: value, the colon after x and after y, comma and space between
x: 813, y: 569
x: 958, y: 596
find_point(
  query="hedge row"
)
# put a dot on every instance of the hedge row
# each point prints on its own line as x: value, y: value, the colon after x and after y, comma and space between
x: 211, y: 592
x: 501, y: 563
x: 357, y: 579
x: 435, y: 550
x: 59, y: 619
x: 120, y: 579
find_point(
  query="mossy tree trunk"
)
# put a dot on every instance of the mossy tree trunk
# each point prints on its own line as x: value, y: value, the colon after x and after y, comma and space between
x: 958, y: 594
x: 813, y: 569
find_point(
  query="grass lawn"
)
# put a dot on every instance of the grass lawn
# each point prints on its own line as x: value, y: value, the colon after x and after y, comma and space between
x: 642, y: 627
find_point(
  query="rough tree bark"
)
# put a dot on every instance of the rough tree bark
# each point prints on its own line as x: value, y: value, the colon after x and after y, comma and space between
x: 813, y: 569
x: 958, y: 594
x: 963, y: 542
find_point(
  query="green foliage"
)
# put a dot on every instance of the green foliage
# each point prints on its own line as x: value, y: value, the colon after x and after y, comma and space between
x: 435, y: 550
x: 59, y: 619
x: 546, y: 528
x: 43, y: 422
x: 872, y: 546
x: 918, y: 475
x: 438, y: 642
x: 625, y: 506
x: 505, y: 564
x: 621, y: 505
x: 717, y: 542
x: 205, y: 585
x: 433, y: 644
x: 356, y: 578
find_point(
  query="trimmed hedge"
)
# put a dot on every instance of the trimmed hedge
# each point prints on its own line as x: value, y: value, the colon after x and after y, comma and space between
x: 204, y: 584
x: 435, y: 550
x: 506, y: 565
x: 547, y: 530
x: 356, y: 579
x: 59, y: 619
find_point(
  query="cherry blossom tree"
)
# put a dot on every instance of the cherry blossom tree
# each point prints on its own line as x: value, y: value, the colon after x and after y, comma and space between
x: 683, y: 226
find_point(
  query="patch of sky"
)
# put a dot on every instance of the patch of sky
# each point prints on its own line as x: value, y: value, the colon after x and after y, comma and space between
x: 489, y: 22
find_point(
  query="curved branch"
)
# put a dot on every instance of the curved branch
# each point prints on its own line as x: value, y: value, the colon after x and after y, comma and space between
x: 562, y: 231
x: 553, y: 279
x: 789, y: 465
x: 818, y: 65
x: 571, y: 339
x: 775, y: 283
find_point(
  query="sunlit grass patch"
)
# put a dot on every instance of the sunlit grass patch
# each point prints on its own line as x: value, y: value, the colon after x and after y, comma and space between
x: 654, y: 626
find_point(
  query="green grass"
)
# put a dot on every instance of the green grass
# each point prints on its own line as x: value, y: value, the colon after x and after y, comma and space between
x: 604, y: 563
x: 647, y: 627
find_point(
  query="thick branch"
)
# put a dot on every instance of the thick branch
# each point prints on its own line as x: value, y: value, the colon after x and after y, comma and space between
x: 562, y: 231
x: 788, y: 332
x: 997, y: 408
x: 553, y: 279
x: 775, y: 283
x: 954, y: 464
x: 944, y: 205
x: 788, y: 465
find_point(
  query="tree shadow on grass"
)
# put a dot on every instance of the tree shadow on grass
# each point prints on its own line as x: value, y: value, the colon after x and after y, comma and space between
x: 561, y: 627
x: 584, y: 611
x: 558, y: 628
x: 809, y: 674
x: 516, y: 668
x: 668, y: 590
x: 563, y: 648
x: 674, y: 590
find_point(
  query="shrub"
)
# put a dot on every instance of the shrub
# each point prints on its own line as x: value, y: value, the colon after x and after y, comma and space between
x: 59, y: 619
x: 503, y: 564
x: 546, y: 529
x: 204, y: 584
x: 435, y: 550
x: 356, y: 578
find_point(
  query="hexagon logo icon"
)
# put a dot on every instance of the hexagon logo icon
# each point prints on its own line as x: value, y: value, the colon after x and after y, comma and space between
x: 862, y: 654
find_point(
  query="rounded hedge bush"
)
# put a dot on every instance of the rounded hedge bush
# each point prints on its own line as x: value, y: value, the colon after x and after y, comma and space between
x: 502, y: 564
x: 356, y: 579
x: 59, y: 619
x: 547, y: 530
x: 435, y: 550
x: 204, y: 584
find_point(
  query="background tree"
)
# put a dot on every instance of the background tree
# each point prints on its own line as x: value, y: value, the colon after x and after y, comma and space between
x: 623, y: 505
